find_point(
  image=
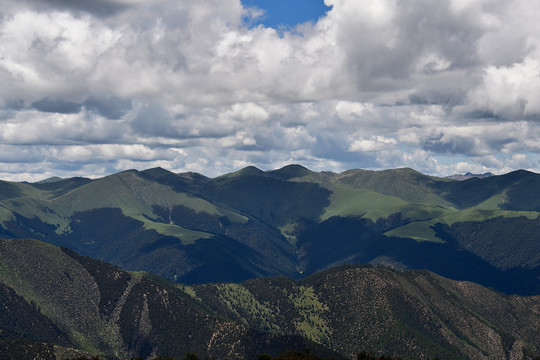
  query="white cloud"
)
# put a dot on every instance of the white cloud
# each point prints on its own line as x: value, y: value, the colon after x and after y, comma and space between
x: 33, y: 127
x: 50, y: 54
x: 376, y: 143
x: 190, y: 85
x: 510, y: 91
x: 249, y: 112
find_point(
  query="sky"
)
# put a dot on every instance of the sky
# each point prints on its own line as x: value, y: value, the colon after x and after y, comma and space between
x: 286, y: 14
x: 90, y: 88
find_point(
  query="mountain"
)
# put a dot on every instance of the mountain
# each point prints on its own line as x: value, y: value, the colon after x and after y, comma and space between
x: 49, y: 180
x: 57, y: 303
x: 57, y: 299
x: 289, y: 222
x: 410, y: 314
x: 469, y: 175
x: 136, y: 222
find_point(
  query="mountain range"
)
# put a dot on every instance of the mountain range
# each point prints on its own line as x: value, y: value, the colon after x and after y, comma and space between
x: 57, y: 304
x: 290, y: 222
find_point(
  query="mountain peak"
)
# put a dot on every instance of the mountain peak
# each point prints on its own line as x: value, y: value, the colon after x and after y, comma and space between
x: 190, y: 175
x: 156, y: 172
x: 290, y: 171
x: 50, y: 180
x: 248, y: 171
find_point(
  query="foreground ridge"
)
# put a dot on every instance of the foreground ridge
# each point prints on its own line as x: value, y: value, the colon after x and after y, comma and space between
x: 68, y: 303
x: 305, y: 354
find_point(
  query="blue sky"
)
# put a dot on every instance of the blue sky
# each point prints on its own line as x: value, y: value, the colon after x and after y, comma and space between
x: 288, y: 13
x: 89, y: 88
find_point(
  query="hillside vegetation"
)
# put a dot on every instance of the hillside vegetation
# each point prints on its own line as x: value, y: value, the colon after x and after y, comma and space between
x: 57, y: 303
x: 58, y: 298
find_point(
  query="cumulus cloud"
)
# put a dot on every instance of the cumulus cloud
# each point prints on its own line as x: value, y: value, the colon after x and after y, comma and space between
x: 100, y: 86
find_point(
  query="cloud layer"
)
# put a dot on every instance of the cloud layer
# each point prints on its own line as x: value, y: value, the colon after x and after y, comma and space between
x: 90, y: 88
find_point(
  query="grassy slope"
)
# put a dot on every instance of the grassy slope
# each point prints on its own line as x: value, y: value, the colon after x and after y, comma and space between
x: 423, y: 230
x: 28, y: 201
x: 128, y: 191
x: 135, y: 197
x: 354, y: 202
x: 423, y: 200
x: 406, y: 184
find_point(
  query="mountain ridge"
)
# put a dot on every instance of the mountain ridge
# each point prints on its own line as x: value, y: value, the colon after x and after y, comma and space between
x: 290, y: 221
x: 469, y: 175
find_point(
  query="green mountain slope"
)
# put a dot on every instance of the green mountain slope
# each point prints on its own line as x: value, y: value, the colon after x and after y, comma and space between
x: 57, y: 302
x: 137, y: 222
x: 517, y: 190
x: 406, y: 184
x: 274, y: 201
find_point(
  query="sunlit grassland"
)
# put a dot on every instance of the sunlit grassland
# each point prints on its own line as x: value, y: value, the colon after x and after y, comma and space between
x: 133, y: 195
x: 423, y: 230
x: 421, y: 217
x: 186, y: 236
x: 357, y: 202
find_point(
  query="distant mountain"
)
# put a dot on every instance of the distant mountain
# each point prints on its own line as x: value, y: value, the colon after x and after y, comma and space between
x: 291, y: 221
x: 468, y: 175
x: 49, y: 180
x: 57, y: 304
